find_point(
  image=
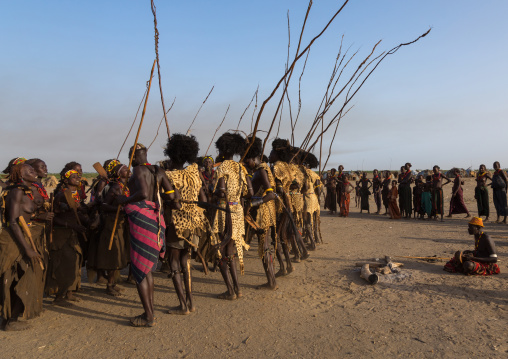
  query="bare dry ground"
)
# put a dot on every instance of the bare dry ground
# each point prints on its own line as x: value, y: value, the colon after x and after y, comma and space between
x: 323, y: 309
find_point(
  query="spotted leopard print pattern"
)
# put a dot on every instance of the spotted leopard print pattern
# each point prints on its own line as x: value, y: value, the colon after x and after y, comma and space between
x: 236, y: 186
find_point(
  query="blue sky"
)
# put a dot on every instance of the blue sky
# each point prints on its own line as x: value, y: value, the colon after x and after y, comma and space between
x: 73, y: 73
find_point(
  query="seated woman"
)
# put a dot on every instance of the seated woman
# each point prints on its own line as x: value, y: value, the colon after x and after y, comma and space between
x: 482, y: 260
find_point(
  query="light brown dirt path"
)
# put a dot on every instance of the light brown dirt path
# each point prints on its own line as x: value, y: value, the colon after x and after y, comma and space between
x: 323, y: 309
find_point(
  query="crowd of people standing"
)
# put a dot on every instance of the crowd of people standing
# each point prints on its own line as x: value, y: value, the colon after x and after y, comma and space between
x: 406, y: 195
x: 185, y: 208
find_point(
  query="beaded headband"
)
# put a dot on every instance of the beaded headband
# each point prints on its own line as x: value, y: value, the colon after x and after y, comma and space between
x: 69, y: 173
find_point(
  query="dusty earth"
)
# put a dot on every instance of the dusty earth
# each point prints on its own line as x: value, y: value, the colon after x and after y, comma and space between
x: 323, y: 309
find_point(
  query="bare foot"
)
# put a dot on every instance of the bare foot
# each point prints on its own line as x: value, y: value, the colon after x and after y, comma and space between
x: 268, y: 286
x: 110, y: 290
x: 118, y: 288
x: 227, y: 296
x: 70, y: 296
x: 296, y: 259
x: 290, y: 269
x: 238, y: 293
x: 62, y: 302
x: 305, y: 256
x: 141, y: 321
x: 281, y: 273
x: 15, y: 326
x: 178, y: 311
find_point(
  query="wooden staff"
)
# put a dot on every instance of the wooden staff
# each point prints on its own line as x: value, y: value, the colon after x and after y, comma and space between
x: 158, y: 68
x: 133, y: 151
x: 424, y: 258
x: 27, y: 232
x: 72, y: 205
x: 51, y: 201
x: 206, y: 153
x: 197, y: 113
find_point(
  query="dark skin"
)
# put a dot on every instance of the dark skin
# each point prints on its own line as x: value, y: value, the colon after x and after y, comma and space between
x: 376, y: 185
x: 115, y: 190
x: 497, y: 168
x: 366, y: 184
x: 386, y: 186
x: 208, y: 164
x: 18, y: 204
x: 260, y: 180
x: 294, y: 235
x: 340, y: 174
x: 390, y: 197
x: 179, y: 262
x: 346, y: 188
x: 227, y: 247
x: 142, y: 184
x: 285, y: 250
x: 41, y: 171
x: 332, y: 181
x: 456, y: 190
x: 312, y: 236
x: 437, y: 183
x: 418, y: 189
x: 65, y: 217
x: 486, y: 249
x: 481, y: 180
x: 357, y: 193
x: 405, y: 179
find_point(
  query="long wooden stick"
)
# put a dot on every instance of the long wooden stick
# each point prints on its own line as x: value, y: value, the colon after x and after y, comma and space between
x: 206, y: 153
x: 158, y: 66
x: 252, y: 99
x: 25, y: 229
x: 133, y: 151
x: 200, y: 107
x: 289, y: 71
x: 424, y: 258
x: 160, y: 123
x: 133, y: 122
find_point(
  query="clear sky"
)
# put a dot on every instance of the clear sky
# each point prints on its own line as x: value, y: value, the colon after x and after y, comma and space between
x: 72, y: 74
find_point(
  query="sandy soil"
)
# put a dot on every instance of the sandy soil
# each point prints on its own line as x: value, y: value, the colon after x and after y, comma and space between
x: 323, y: 309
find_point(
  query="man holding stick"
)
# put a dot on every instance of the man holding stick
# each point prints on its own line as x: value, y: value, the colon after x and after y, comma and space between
x: 147, y: 226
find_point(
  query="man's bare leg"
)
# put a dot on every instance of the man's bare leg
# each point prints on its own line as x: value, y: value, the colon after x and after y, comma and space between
x: 174, y: 263
x: 146, y: 297
x: 224, y: 271
x: 268, y: 265
x: 230, y: 249
x: 187, y: 280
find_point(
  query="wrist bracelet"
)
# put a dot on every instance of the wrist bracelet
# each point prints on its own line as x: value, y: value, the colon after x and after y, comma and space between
x: 169, y: 192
